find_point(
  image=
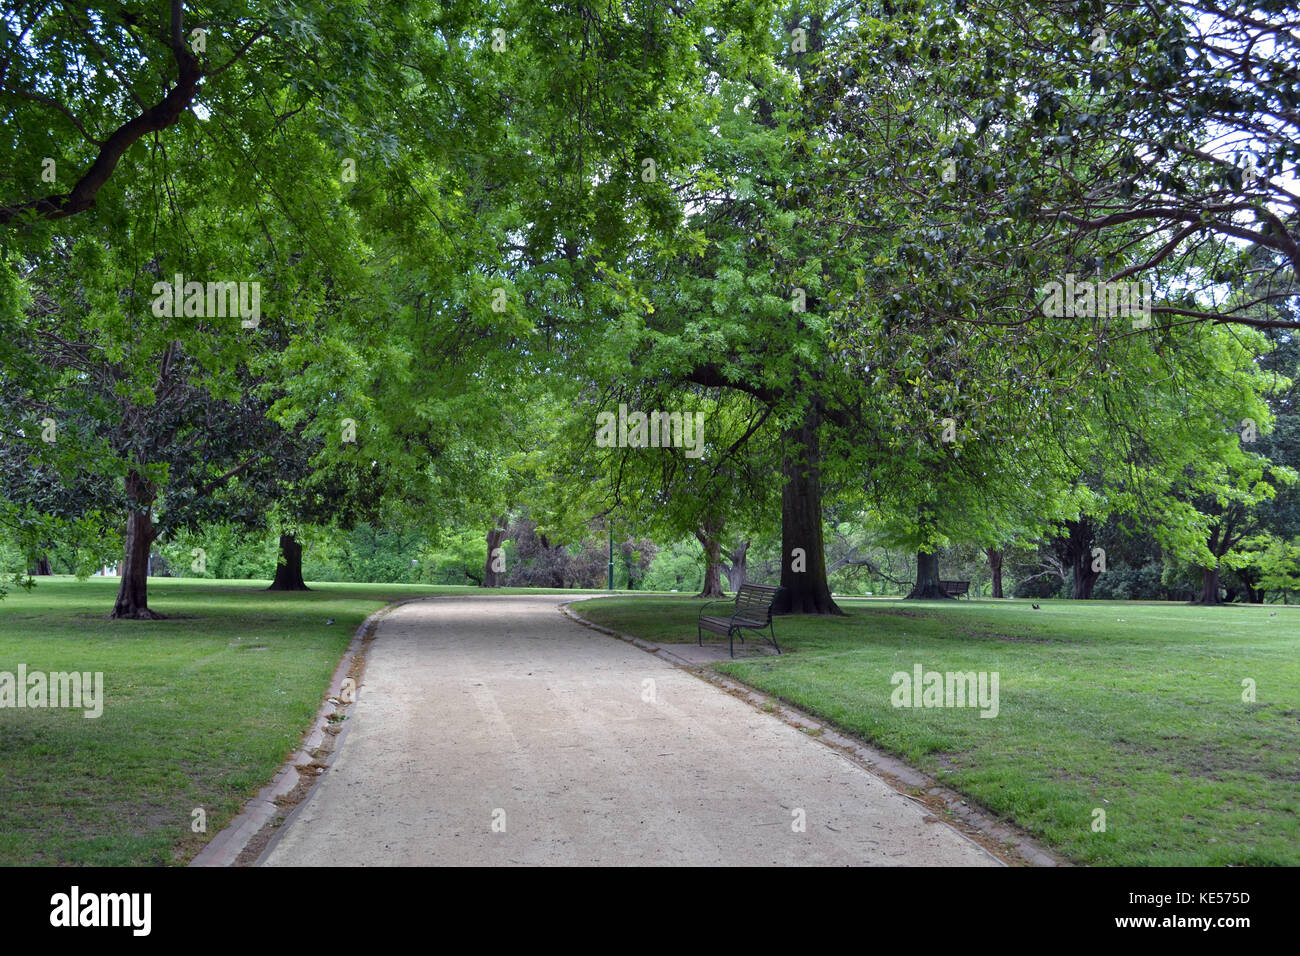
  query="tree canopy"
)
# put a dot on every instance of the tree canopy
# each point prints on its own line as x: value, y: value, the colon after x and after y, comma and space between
x: 987, y: 275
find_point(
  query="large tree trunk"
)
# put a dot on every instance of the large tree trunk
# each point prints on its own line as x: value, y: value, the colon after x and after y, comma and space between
x: 928, y: 586
x: 1084, y: 577
x: 995, y: 568
x: 707, y: 536
x: 493, y: 578
x: 1209, y: 587
x: 803, y: 555
x: 739, y: 564
x: 1078, y: 555
x: 288, y: 569
x: 43, y: 566
x: 133, y: 593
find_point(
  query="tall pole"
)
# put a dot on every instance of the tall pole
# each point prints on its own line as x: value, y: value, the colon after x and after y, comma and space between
x: 611, y: 554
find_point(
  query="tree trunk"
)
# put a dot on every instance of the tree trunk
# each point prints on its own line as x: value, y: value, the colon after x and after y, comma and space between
x: 1084, y: 576
x: 995, y: 568
x: 1078, y: 555
x: 133, y: 593
x: 493, y: 578
x: 288, y: 569
x: 803, y: 555
x: 1209, y: 587
x: 928, y: 586
x: 739, y: 563
x: 43, y: 566
x: 713, y: 565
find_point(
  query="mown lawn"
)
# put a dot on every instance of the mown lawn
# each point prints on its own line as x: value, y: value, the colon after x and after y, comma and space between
x: 1132, y: 708
x: 200, y: 711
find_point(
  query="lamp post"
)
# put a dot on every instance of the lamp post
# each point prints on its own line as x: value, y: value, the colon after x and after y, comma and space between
x: 611, y: 554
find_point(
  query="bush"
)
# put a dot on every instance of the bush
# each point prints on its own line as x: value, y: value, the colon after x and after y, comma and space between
x: 220, y: 551
x: 1132, y: 584
x: 1047, y: 586
x: 679, y: 567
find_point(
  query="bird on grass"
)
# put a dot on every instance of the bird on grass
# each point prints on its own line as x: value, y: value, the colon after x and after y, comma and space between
x: 329, y: 622
x: 1035, y: 607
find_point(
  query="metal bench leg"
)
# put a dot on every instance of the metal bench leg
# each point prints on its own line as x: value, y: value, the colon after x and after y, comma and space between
x: 731, y: 637
x: 772, y: 627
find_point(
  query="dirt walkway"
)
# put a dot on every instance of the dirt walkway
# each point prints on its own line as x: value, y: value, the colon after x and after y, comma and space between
x: 492, y: 730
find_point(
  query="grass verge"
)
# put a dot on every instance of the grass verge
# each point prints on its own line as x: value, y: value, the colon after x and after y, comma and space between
x: 1135, y: 709
x: 200, y: 710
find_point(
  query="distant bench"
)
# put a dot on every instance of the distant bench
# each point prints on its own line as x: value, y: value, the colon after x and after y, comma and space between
x: 752, y: 610
x: 956, y: 588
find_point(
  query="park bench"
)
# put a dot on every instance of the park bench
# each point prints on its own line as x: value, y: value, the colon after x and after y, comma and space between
x: 956, y: 588
x: 752, y: 610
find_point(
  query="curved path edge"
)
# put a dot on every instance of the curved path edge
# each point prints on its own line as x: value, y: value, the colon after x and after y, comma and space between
x: 1004, y: 840
x: 295, y: 782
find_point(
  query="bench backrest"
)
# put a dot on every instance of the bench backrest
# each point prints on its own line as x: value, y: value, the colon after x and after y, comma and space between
x: 754, y: 602
x: 955, y: 586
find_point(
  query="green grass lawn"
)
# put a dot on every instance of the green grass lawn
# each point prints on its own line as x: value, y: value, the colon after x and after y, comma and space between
x: 201, y: 710
x: 1132, y: 708
x: 1129, y: 707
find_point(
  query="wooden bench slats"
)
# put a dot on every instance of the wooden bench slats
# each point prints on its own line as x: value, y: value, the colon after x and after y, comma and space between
x: 956, y: 588
x: 752, y: 609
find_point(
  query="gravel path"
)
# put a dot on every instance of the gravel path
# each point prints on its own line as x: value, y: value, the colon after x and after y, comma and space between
x: 491, y: 730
